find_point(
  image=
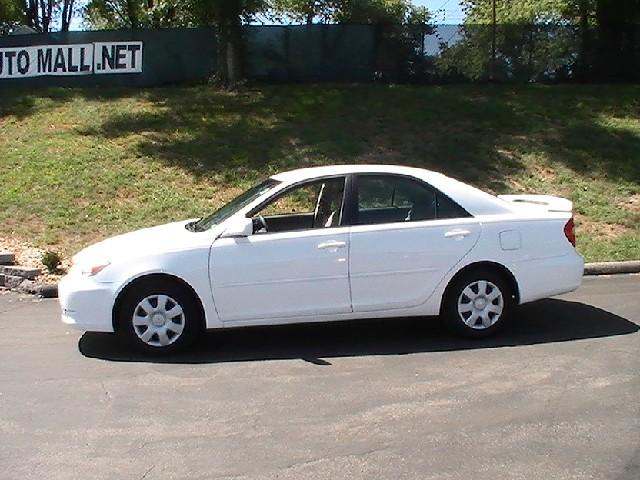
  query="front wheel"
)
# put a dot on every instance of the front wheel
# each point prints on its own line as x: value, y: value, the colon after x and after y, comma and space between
x: 159, y: 316
x: 477, y: 303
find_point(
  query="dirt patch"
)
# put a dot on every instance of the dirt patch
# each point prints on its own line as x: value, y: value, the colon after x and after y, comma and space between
x: 632, y: 203
x: 546, y: 187
x: 600, y: 229
x: 545, y: 173
x: 378, y: 154
x: 63, y: 126
x: 508, y: 154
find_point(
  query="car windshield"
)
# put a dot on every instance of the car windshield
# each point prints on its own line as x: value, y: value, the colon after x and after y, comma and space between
x: 234, y: 205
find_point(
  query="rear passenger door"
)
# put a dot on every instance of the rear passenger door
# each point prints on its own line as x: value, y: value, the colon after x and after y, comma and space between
x: 405, y: 237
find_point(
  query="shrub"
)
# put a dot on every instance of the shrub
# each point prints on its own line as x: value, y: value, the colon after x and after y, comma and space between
x: 51, y: 260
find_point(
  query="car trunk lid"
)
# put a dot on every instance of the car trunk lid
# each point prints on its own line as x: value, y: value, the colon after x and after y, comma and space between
x: 545, y: 202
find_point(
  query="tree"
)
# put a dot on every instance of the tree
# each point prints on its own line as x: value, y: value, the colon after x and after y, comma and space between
x: 303, y: 11
x: 617, y: 28
x: 227, y: 17
x: 11, y: 14
x: 535, y: 40
x: 66, y: 14
x: 579, y: 39
x: 515, y: 11
x: 135, y: 14
x: 39, y: 14
x: 347, y: 11
x: 399, y: 33
x: 378, y: 11
x: 401, y: 29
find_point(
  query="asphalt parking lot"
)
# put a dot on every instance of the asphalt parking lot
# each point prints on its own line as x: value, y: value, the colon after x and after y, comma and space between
x: 556, y: 396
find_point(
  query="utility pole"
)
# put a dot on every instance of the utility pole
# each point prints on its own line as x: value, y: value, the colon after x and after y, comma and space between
x: 492, y: 73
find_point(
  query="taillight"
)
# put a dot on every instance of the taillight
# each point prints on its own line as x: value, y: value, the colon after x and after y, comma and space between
x: 570, y: 232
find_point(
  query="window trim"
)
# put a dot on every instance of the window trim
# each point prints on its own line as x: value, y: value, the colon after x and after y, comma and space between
x: 345, y: 197
x: 354, y: 198
x: 350, y: 200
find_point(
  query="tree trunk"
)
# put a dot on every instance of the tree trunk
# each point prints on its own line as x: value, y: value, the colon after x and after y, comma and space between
x: 583, y: 63
x: 616, y: 30
x: 230, y: 43
x: 234, y: 53
x: 31, y: 9
x: 132, y: 14
x: 67, y: 14
x: 64, y: 25
x: 310, y: 12
x: 221, y: 52
x: 492, y: 67
x: 46, y: 17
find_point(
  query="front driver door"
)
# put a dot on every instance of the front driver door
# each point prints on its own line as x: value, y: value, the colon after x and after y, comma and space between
x: 294, y: 265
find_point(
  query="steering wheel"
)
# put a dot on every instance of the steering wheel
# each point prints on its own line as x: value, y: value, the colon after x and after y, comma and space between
x: 260, y: 223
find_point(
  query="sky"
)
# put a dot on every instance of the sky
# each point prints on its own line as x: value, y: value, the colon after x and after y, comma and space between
x: 442, y: 11
x: 76, y: 21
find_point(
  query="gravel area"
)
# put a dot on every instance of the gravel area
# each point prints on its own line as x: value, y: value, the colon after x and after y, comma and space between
x: 30, y: 256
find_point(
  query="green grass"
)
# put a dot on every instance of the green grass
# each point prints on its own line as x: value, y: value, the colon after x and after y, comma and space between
x: 82, y: 164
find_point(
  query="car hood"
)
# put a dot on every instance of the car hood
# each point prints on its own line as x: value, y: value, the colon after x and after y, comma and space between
x: 162, y: 238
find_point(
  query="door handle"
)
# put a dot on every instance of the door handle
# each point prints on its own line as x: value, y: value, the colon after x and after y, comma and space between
x: 332, y: 244
x: 457, y: 233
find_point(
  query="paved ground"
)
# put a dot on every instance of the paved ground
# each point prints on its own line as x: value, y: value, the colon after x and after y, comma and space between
x: 556, y: 397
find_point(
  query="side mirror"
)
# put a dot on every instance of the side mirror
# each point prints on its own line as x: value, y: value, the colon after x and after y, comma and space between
x: 240, y: 227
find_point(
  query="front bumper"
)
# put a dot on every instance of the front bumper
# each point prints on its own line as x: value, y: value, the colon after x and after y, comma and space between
x: 86, y: 304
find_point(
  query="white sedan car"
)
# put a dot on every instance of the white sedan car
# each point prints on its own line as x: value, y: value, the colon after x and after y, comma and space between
x: 324, y: 244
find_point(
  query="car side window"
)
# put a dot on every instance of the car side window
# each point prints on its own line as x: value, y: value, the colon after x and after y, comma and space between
x: 389, y: 199
x: 392, y: 198
x: 447, y: 208
x: 316, y: 204
x: 300, y: 200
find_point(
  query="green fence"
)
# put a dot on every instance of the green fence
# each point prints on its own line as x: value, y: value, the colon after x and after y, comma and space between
x: 301, y: 53
x: 316, y: 53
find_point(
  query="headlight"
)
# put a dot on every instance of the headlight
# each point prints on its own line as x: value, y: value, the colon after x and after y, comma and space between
x: 94, y: 268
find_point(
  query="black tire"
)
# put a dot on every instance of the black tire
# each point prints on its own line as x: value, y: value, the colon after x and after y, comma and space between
x: 190, y: 320
x: 487, y: 322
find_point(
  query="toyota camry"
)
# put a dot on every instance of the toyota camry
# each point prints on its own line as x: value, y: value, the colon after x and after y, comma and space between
x: 324, y: 244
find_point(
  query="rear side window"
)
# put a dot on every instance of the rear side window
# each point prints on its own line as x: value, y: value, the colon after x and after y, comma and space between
x: 392, y: 198
x: 447, y: 208
x: 389, y: 199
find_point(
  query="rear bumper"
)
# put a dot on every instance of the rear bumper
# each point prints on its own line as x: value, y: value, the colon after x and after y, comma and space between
x: 548, y: 277
x: 86, y: 305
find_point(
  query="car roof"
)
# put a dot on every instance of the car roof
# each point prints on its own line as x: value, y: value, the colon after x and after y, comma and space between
x: 474, y: 200
x: 302, y: 174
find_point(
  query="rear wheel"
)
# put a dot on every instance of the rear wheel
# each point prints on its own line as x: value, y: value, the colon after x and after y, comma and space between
x: 477, y: 303
x: 159, y: 316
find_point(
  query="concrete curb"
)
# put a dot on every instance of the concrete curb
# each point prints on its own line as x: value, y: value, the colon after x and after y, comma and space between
x: 612, y: 268
x: 44, y: 290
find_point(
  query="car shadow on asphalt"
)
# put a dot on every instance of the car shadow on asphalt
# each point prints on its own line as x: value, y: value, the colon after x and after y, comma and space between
x: 545, y: 321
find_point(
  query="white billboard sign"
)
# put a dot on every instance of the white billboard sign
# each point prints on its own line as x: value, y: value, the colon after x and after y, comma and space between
x: 75, y: 59
x: 120, y: 57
